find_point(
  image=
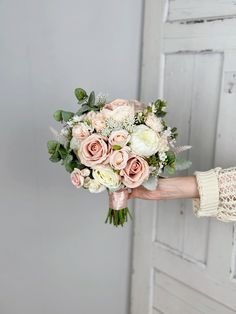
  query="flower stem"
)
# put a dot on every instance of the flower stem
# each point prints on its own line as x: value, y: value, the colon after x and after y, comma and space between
x: 118, y: 217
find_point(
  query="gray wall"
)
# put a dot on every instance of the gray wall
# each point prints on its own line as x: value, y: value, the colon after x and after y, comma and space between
x: 56, y: 254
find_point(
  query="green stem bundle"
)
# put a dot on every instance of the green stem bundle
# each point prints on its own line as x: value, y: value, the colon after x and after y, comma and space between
x: 118, y: 217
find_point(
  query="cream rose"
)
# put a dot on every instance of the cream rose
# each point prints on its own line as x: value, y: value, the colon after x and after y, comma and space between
x: 87, y: 182
x: 106, y: 176
x: 119, y: 158
x: 135, y: 172
x: 154, y: 122
x: 75, y: 144
x: 144, y: 141
x: 94, y: 150
x: 95, y: 186
x: 80, y: 132
x: 120, y: 138
x: 76, y: 178
x: 85, y: 172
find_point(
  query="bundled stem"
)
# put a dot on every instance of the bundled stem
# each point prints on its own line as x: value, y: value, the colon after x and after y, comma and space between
x: 118, y: 217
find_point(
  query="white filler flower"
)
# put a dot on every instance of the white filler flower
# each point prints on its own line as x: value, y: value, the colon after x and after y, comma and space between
x: 144, y: 141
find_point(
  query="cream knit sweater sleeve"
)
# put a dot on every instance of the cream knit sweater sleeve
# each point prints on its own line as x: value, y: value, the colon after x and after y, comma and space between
x: 217, y: 189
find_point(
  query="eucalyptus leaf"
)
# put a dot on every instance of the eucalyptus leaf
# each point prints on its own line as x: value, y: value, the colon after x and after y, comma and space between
x: 62, y: 151
x: 171, y: 157
x: 80, y: 94
x: 169, y: 171
x: 91, y: 100
x: 58, y: 115
x: 52, y: 146
x: 55, y: 157
x: 83, y: 109
x: 66, y: 115
x: 151, y: 183
x: 182, y: 164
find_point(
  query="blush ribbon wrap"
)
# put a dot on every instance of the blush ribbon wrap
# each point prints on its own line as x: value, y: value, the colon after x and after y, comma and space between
x: 119, y: 199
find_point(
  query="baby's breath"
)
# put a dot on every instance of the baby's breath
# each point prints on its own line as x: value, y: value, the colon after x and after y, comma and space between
x: 106, y: 131
x: 128, y: 124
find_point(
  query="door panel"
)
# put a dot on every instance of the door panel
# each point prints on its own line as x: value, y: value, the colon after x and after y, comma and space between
x: 183, y: 264
x: 198, y: 9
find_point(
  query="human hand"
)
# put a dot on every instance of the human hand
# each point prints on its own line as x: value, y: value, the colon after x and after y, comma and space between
x: 170, y: 188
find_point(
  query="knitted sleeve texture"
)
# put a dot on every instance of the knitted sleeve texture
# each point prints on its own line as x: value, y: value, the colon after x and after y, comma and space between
x: 217, y: 189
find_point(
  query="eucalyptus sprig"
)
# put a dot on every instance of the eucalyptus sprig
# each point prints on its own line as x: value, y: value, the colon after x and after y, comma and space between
x: 87, y: 102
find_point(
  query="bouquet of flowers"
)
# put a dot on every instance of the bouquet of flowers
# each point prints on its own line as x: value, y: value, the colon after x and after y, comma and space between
x: 115, y: 146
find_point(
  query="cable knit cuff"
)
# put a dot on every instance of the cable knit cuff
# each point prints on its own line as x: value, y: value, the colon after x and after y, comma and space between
x: 208, y: 188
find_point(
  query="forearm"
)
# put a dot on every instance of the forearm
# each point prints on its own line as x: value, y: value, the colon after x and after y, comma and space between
x: 170, y: 188
x: 177, y: 188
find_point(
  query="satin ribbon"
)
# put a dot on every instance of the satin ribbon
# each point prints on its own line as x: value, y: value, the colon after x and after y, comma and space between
x: 119, y: 199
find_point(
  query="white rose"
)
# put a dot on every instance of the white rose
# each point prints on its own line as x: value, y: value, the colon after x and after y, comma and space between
x: 107, y: 177
x: 144, y: 141
x: 74, y: 144
x: 85, y: 172
x: 153, y: 122
x: 87, y: 182
x: 95, y: 187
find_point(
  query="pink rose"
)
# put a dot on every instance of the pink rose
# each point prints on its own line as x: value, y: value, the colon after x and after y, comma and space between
x: 99, y: 122
x: 121, y: 109
x: 119, y: 158
x: 76, y: 178
x: 119, y: 138
x: 119, y: 114
x: 116, y: 103
x: 90, y: 116
x: 94, y: 150
x: 80, y: 132
x: 137, y: 105
x: 135, y: 172
x: 118, y: 110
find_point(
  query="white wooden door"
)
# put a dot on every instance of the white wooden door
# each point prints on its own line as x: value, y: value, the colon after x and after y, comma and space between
x: 183, y: 264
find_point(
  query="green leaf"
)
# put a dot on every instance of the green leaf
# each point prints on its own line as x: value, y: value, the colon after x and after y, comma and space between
x: 67, y: 163
x: 171, y: 157
x: 83, y: 109
x: 80, y: 94
x: 52, y: 146
x: 66, y: 115
x: 55, y: 157
x: 62, y: 151
x: 182, y: 164
x: 116, y: 147
x: 58, y: 115
x: 160, y: 106
x: 70, y: 163
x: 168, y: 170
x: 91, y: 100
